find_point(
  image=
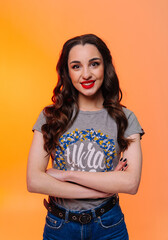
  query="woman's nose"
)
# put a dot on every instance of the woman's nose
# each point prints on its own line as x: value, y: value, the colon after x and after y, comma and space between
x: 86, y: 74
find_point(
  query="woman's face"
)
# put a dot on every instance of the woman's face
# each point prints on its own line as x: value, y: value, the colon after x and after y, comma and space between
x: 86, y: 69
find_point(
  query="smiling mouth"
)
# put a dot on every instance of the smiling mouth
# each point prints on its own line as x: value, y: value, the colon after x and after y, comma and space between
x: 88, y: 84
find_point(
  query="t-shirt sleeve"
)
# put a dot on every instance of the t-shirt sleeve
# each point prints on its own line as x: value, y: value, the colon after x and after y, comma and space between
x: 39, y: 123
x: 133, y: 124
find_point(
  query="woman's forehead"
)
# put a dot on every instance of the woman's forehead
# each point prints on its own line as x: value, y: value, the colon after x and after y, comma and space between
x: 80, y: 52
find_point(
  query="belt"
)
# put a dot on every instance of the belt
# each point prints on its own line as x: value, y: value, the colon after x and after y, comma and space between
x: 83, y: 217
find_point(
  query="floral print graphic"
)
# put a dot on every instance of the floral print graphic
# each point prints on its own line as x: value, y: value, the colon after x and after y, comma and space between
x: 107, y: 145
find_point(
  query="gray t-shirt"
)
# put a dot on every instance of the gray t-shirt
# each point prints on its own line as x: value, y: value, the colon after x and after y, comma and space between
x: 90, y: 144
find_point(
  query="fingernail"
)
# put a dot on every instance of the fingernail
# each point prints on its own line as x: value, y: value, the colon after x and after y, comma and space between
x: 125, y: 165
x: 121, y: 159
x: 124, y: 160
x: 122, y: 169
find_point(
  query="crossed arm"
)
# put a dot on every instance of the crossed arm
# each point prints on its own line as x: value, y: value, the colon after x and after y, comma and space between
x: 74, y: 184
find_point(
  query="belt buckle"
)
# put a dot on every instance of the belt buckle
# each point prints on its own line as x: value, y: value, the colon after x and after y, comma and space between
x: 85, y: 218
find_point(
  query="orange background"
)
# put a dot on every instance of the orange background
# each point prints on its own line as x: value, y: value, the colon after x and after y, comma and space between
x: 32, y: 34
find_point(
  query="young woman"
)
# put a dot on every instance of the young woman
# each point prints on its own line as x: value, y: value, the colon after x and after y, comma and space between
x: 85, y: 131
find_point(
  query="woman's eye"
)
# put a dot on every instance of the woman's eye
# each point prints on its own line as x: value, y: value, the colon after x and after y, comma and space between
x: 94, y: 64
x: 75, y: 66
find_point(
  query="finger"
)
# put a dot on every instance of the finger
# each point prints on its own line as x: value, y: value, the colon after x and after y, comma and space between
x: 123, y: 159
x: 121, y: 164
x: 125, y: 167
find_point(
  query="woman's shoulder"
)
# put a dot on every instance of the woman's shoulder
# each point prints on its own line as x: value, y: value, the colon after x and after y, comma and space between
x: 127, y: 112
x: 133, y: 123
x: 41, y: 119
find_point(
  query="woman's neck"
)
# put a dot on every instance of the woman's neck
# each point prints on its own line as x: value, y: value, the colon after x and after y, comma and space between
x: 90, y: 103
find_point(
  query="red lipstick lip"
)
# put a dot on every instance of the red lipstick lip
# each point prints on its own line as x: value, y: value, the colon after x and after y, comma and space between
x: 92, y: 82
x: 88, y: 81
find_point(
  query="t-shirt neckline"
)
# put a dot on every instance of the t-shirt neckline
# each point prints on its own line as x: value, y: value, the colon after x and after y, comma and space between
x: 92, y: 112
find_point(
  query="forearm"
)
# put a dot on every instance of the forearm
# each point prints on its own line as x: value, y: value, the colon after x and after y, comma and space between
x: 110, y: 182
x: 92, y: 180
x: 45, y: 184
x: 38, y: 181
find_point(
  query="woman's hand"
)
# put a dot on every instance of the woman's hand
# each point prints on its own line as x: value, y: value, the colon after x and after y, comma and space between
x: 122, y: 165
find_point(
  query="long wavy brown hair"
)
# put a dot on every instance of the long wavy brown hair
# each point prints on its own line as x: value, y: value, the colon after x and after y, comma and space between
x: 59, y: 116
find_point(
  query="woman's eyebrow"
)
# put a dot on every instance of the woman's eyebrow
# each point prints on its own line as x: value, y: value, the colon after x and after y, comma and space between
x: 75, y: 61
x: 93, y: 59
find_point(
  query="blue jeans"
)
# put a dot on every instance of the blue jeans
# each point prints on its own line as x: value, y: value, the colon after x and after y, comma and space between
x: 110, y: 225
